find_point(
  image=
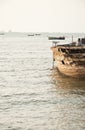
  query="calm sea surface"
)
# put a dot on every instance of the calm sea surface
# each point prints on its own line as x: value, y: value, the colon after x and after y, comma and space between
x: 33, y: 96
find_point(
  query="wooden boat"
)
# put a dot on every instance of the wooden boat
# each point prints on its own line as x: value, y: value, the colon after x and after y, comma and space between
x: 57, y: 38
x: 70, y: 58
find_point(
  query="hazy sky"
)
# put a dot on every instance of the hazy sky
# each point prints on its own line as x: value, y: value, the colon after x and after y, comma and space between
x: 42, y: 15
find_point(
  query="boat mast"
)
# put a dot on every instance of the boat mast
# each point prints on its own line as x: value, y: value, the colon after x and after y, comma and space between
x: 72, y: 38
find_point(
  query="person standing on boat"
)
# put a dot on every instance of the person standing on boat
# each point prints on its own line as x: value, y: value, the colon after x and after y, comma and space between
x: 79, y: 43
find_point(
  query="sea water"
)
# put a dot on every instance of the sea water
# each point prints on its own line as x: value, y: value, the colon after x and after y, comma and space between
x: 33, y: 96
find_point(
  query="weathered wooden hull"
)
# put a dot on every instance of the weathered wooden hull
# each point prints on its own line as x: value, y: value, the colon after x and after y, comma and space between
x: 70, y: 64
x: 73, y: 71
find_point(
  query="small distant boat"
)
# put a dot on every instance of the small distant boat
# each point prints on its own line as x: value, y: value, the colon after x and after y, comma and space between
x: 69, y: 58
x: 2, y: 33
x: 37, y: 34
x: 30, y: 34
x: 57, y: 38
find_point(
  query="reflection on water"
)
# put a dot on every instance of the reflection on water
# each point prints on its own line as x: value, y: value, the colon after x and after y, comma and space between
x: 70, y: 97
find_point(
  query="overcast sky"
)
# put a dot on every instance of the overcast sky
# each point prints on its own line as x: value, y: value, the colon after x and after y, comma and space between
x: 42, y: 15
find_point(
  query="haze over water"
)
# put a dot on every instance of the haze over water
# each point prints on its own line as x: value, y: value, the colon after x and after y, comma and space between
x: 33, y: 96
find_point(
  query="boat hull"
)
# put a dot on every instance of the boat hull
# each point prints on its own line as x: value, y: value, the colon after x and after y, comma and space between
x: 70, y: 61
x: 71, y: 70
